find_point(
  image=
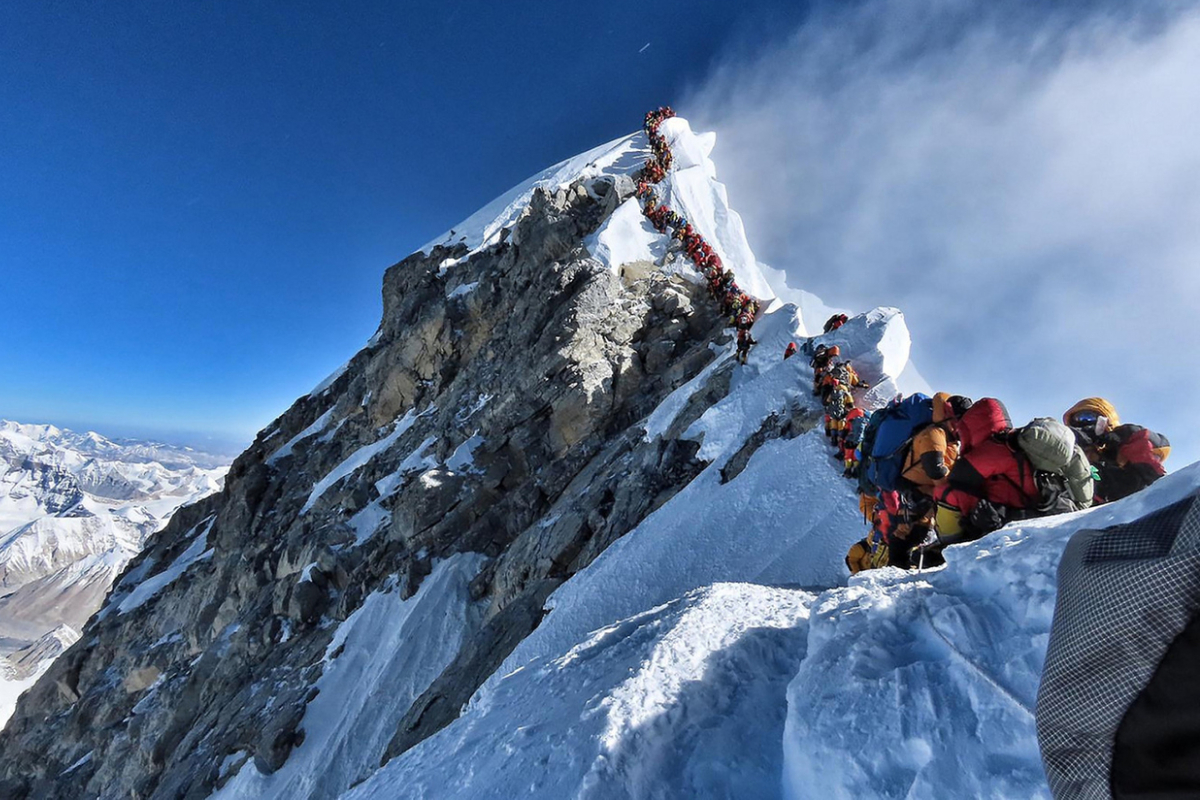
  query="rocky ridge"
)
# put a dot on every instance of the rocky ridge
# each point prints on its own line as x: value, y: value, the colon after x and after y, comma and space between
x: 495, y: 412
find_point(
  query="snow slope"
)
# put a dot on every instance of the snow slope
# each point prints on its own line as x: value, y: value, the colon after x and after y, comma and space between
x: 690, y: 188
x: 933, y: 678
x: 381, y: 659
x: 900, y: 685
x: 788, y: 518
x: 680, y: 701
x: 623, y: 156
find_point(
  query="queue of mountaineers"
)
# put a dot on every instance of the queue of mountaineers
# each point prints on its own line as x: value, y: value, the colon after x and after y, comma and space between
x: 740, y: 307
x: 941, y: 470
x: 930, y: 471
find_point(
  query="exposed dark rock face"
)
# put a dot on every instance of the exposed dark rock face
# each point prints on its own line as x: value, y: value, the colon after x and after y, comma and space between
x: 502, y: 396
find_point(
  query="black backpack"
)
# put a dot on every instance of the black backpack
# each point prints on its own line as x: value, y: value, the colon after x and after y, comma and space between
x: 1054, y: 495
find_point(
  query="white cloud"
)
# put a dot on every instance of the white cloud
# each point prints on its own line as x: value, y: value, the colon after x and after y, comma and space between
x: 1027, y: 189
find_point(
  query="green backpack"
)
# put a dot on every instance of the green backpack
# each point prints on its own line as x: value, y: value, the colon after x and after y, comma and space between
x: 1050, y: 447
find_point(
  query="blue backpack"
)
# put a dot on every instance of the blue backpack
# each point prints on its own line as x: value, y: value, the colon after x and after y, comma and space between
x: 899, y: 421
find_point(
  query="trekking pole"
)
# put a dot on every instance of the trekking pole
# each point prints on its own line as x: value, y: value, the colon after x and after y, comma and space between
x: 921, y: 560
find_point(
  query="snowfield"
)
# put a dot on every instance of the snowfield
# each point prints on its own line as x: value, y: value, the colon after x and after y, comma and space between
x: 899, y: 685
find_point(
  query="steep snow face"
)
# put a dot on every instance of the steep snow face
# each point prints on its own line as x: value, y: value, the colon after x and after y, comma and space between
x: 380, y: 661
x: 682, y: 700
x: 900, y: 685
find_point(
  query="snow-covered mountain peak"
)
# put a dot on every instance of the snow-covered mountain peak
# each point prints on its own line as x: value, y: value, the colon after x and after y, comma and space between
x: 545, y: 537
x: 485, y: 227
x: 549, y: 408
x: 691, y: 189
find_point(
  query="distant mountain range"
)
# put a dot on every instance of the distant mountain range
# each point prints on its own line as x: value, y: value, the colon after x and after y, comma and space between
x: 74, y: 509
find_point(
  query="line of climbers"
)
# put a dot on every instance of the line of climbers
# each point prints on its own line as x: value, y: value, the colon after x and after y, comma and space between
x: 740, y: 307
x: 936, y: 471
x: 943, y: 470
x: 931, y: 471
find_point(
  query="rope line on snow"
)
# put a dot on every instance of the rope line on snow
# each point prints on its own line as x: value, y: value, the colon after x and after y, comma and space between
x: 987, y: 677
x: 741, y: 307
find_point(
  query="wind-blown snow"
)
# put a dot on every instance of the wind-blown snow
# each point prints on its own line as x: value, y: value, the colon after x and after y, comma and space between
x: 813, y: 311
x: 382, y: 658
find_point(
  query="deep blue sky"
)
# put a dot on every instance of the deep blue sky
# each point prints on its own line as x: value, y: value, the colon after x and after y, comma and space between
x: 199, y: 199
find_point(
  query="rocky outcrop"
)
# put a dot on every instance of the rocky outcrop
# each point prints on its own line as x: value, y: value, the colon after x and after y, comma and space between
x: 495, y: 412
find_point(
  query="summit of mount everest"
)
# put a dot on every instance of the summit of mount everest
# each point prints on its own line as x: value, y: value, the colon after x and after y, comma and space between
x: 543, y: 537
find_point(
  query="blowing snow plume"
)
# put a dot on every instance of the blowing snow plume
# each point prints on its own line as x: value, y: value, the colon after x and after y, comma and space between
x: 1023, y: 183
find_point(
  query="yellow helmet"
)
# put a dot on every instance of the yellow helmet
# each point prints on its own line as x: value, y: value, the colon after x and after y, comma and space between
x: 1094, y: 406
